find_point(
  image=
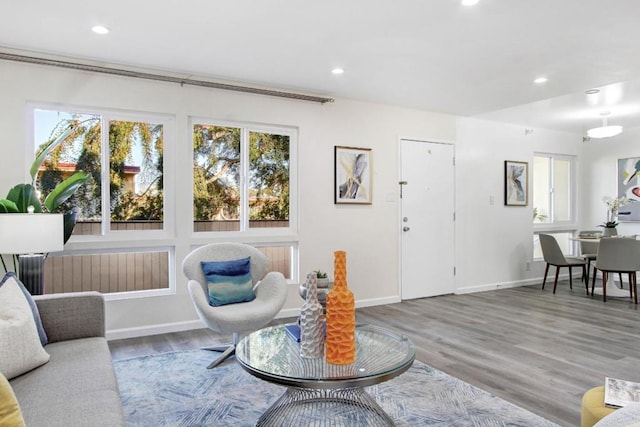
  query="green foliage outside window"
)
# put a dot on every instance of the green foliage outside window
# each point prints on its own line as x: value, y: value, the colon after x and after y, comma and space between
x: 216, y: 174
x: 82, y: 150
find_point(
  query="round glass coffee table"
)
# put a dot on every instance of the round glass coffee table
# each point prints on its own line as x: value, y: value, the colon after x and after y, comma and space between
x: 319, y: 393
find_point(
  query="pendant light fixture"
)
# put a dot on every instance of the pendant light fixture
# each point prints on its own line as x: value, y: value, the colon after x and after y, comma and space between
x: 604, y: 131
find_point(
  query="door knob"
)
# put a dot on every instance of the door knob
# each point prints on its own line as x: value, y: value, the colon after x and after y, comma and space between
x: 405, y: 228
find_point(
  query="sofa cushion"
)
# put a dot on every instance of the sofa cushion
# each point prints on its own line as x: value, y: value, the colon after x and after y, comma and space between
x: 229, y: 282
x: 20, y: 347
x: 10, y: 414
x: 78, y: 382
x: 32, y: 305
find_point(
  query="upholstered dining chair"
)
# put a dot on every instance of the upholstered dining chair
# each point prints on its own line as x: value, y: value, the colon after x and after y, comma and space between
x: 270, y: 293
x: 589, y: 249
x: 553, y: 256
x: 617, y: 255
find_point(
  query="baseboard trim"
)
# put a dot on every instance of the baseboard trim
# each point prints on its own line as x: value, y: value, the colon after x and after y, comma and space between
x: 496, y: 286
x: 143, y: 331
x: 166, y: 328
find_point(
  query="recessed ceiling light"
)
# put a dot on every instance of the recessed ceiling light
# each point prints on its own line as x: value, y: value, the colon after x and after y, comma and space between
x: 469, y: 2
x: 337, y: 71
x: 592, y: 91
x: 99, y: 29
x: 541, y: 80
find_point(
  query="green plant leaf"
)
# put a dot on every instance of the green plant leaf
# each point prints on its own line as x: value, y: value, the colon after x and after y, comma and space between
x: 64, y: 190
x: 24, y: 195
x: 7, y: 206
x: 69, y: 220
x: 35, y: 166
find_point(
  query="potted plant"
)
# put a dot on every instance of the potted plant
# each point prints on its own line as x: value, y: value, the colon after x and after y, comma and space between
x: 323, y: 279
x: 613, y: 205
x: 23, y: 198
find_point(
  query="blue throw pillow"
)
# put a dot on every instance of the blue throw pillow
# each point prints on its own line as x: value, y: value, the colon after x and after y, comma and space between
x: 32, y: 305
x: 228, y: 282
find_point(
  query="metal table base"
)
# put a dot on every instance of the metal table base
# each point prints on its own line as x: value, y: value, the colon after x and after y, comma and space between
x: 325, y: 408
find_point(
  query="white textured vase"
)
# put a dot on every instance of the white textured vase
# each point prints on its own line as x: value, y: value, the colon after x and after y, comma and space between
x: 311, y: 322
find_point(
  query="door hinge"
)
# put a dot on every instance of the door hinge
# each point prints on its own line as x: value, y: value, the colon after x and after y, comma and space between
x: 454, y: 161
x: 454, y: 271
x: 454, y: 216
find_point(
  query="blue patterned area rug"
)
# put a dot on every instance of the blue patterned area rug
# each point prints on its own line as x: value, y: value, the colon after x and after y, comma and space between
x: 175, y: 389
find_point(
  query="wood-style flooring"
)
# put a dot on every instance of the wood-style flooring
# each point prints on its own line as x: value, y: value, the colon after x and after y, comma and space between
x: 535, y: 349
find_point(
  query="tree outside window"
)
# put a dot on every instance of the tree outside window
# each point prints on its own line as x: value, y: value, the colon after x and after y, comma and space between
x: 133, y: 152
x: 241, y: 178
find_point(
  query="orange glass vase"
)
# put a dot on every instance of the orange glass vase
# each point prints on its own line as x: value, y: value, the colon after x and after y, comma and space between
x: 341, y: 316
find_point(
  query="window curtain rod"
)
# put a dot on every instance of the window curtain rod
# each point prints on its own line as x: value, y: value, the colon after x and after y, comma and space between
x: 160, y: 77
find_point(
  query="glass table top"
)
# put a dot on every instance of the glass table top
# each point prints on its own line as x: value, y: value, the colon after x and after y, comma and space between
x: 273, y: 355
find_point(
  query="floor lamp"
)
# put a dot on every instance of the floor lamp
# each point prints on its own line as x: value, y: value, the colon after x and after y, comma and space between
x: 31, y: 237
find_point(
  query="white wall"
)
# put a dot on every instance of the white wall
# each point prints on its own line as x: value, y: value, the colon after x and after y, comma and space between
x: 598, y: 177
x: 493, y: 241
x: 369, y: 234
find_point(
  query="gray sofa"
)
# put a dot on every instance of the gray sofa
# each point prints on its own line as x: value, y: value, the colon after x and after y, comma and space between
x: 78, y: 386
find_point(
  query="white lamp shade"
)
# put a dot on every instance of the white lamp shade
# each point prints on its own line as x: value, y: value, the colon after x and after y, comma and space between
x: 31, y: 233
x: 604, y: 131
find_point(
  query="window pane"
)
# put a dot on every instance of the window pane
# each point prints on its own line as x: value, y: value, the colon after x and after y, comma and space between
x: 541, y: 185
x: 107, y: 272
x: 561, y: 190
x: 216, y: 178
x: 268, y: 180
x: 81, y: 151
x: 135, y: 175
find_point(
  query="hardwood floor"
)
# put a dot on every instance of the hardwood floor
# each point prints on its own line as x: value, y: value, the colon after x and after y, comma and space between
x: 535, y: 349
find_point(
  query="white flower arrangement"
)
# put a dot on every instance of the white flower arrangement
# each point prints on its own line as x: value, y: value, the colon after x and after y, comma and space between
x: 613, y: 205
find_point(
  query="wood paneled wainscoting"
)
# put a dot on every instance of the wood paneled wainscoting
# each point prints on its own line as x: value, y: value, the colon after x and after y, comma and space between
x: 110, y: 272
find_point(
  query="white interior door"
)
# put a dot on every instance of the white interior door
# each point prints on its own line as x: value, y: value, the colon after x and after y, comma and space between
x: 427, y: 219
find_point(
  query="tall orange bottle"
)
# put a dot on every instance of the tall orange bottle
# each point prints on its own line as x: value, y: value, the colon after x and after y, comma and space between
x: 341, y: 316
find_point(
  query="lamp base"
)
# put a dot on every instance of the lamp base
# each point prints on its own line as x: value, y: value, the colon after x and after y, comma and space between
x: 31, y: 275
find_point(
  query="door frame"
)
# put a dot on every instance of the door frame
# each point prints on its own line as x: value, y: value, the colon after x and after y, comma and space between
x: 399, y: 212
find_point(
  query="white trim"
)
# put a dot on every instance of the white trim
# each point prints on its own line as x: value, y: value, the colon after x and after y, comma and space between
x: 165, y: 328
x: 495, y: 286
x: 245, y: 130
x: 143, y: 331
x: 513, y: 284
x: 573, y: 160
x: 372, y: 302
x: 168, y: 122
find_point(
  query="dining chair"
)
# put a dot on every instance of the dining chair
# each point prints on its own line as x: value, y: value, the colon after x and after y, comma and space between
x: 589, y: 249
x: 616, y: 255
x: 553, y: 255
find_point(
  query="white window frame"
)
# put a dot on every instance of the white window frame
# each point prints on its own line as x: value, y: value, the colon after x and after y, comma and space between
x: 258, y: 235
x: 110, y: 241
x: 569, y: 226
x: 175, y: 234
x: 107, y: 115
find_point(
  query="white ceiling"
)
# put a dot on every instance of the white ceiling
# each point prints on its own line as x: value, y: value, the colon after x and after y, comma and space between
x: 430, y: 54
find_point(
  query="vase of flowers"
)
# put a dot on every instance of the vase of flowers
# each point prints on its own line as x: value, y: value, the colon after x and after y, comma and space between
x: 613, y: 206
